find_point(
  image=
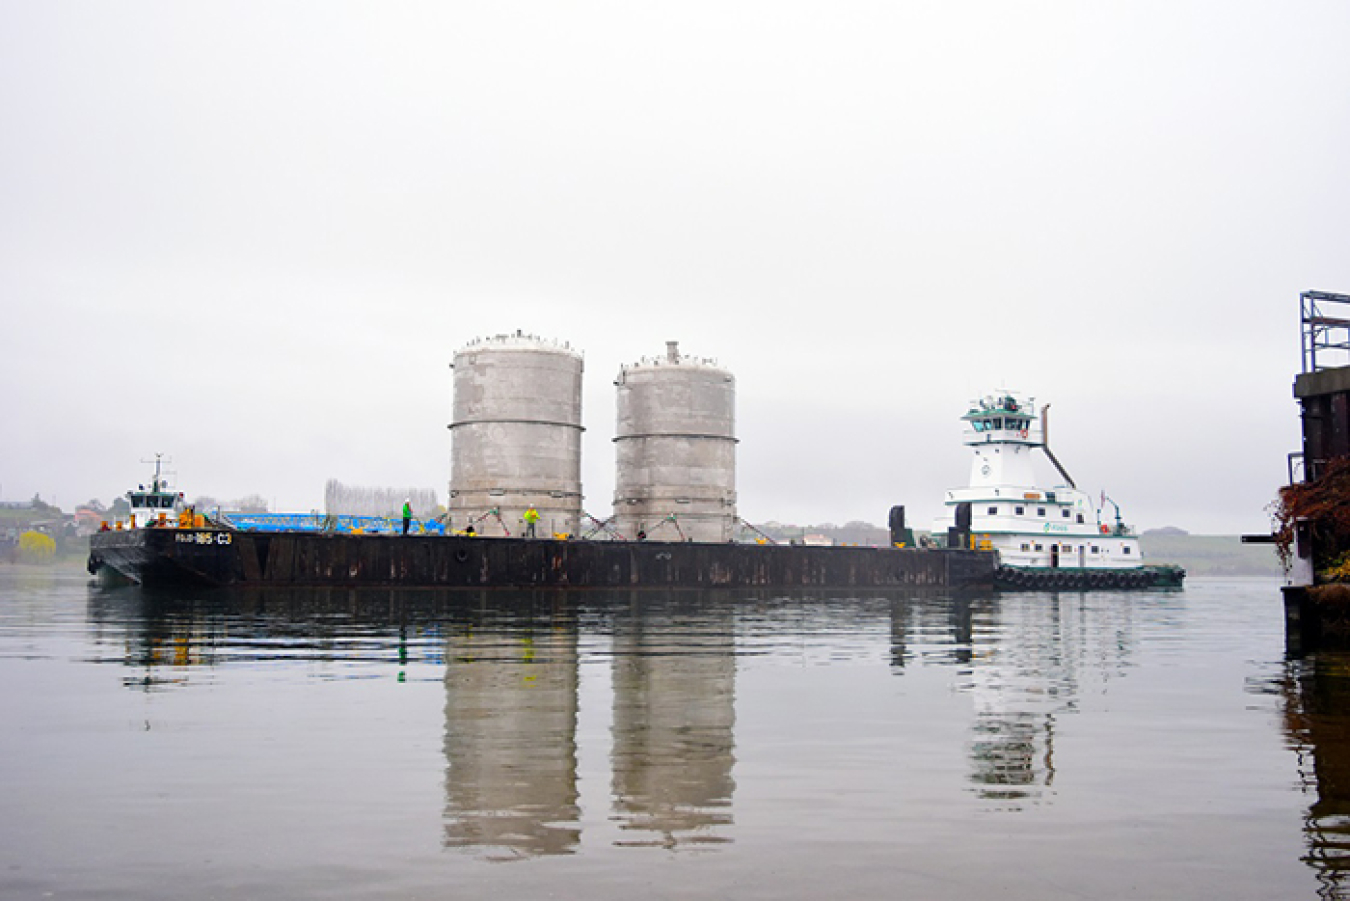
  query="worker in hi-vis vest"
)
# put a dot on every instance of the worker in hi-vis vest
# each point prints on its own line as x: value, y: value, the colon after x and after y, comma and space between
x: 531, y: 517
x: 407, y: 514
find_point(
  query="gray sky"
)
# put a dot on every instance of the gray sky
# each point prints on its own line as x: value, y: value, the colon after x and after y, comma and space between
x: 251, y: 235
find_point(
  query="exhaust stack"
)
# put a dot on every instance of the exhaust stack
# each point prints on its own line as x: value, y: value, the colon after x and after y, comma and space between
x: 1045, y: 445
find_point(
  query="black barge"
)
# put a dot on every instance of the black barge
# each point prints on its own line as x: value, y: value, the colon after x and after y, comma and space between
x: 173, y: 557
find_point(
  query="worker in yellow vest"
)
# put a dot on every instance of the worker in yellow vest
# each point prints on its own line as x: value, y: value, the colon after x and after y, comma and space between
x: 531, y: 517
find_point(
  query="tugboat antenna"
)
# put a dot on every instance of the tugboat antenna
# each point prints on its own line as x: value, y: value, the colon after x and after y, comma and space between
x: 159, y: 459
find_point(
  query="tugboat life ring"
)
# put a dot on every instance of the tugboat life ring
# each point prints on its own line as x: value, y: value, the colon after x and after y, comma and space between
x: 1105, y: 530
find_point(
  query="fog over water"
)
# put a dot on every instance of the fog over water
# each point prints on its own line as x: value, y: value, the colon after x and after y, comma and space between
x: 251, y: 236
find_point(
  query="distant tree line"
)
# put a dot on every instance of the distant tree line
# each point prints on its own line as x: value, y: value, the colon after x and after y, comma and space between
x: 854, y: 532
x: 358, y: 500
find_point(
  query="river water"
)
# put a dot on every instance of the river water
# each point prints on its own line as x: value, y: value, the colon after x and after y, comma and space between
x: 420, y: 744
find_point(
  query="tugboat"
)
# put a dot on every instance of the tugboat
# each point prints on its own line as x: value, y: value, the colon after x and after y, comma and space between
x: 119, y: 552
x: 1047, y: 538
x: 158, y: 506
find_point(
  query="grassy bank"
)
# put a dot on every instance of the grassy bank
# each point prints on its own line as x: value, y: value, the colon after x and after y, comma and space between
x: 1211, y: 555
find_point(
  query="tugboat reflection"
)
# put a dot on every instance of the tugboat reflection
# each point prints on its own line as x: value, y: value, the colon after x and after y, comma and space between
x: 1030, y: 655
x: 674, y: 680
x: 510, y: 736
x: 1317, y: 720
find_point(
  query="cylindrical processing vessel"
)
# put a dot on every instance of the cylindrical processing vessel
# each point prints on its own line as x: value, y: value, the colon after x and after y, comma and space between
x: 516, y: 436
x: 675, y: 450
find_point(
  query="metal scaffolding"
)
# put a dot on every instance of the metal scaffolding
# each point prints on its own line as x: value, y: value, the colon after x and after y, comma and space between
x: 1326, y: 329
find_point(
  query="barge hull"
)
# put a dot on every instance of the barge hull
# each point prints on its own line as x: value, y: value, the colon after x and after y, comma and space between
x: 185, y: 557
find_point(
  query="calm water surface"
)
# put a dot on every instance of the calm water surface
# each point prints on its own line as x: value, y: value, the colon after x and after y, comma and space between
x: 418, y: 744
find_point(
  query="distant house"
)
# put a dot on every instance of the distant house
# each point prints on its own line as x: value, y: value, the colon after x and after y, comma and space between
x: 88, y: 520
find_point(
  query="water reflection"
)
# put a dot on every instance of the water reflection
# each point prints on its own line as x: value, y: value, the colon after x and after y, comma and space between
x: 1029, y: 655
x: 178, y: 638
x: 1317, y: 721
x: 931, y: 630
x: 674, y: 678
x: 510, y: 736
x: 512, y: 663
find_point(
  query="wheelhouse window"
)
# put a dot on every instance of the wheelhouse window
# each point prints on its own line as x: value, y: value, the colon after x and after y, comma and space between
x: 993, y: 511
x: 1040, y: 511
x: 1020, y: 510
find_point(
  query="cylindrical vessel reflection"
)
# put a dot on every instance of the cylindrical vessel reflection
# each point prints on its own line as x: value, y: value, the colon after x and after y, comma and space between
x: 510, y: 741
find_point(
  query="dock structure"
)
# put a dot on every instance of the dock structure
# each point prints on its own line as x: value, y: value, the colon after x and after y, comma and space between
x: 1317, y: 602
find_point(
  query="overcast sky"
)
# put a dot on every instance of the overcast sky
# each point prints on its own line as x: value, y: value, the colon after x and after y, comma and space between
x: 252, y: 235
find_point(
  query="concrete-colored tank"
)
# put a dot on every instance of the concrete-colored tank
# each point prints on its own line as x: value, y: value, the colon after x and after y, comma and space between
x: 675, y: 449
x: 516, y: 435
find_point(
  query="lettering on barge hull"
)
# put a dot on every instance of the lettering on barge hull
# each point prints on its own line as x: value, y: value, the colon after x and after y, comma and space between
x: 190, y: 556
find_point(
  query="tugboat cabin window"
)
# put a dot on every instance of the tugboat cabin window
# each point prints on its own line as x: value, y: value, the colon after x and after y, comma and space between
x: 1080, y: 519
x: 1026, y: 547
x: 1096, y: 550
x: 1127, y: 549
x: 1019, y: 511
x: 993, y: 511
x: 1064, y: 513
x: 1040, y: 511
x: 1039, y: 548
